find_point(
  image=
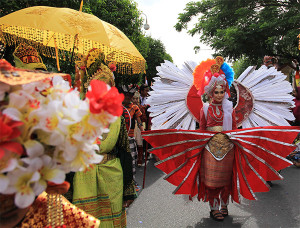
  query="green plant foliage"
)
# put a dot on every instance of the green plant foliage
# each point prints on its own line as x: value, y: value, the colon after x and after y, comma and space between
x: 245, y: 28
x: 240, y: 65
x: 157, y: 55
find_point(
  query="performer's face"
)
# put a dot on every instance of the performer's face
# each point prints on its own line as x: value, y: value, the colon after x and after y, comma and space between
x: 145, y: 92
x: 218, y: 95
x: 135, y: 100
x: 10, y: 215
x: 127, y: 98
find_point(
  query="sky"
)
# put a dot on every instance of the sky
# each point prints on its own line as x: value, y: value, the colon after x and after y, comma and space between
x: 162, y: 16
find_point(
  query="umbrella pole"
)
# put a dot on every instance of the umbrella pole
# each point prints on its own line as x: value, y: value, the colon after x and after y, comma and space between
x: 145, y: 168
x: 57, y: 57
x: 75, y: 38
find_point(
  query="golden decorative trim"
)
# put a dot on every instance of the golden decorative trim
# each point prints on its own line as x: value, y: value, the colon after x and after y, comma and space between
x: 107, y: 157
x: 219, y: 60
x: 15, y: 35
x: 215, y: 68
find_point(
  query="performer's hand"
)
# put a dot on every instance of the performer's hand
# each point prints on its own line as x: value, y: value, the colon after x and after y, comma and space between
x: 127, y: 203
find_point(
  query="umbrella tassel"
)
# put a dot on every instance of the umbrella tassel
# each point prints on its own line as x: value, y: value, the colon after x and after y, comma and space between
x: 81, y: 5
x: 56, y: 53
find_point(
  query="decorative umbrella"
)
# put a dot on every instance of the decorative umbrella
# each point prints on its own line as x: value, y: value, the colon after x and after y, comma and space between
x: 52, y: 31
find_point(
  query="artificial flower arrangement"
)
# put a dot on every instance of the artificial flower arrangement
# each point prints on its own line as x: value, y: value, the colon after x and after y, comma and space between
x: 48, y: 131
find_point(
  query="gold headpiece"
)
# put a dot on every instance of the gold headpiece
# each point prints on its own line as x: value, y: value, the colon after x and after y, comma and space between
x: 27, y: 54
x: 215, y: 68
x: 92, y: 67
x: 27, y: 57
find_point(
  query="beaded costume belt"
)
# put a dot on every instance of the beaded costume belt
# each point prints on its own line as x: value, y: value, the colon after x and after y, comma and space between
x: 107, y: 157
x: 219, y: 145
x: 215, y: 128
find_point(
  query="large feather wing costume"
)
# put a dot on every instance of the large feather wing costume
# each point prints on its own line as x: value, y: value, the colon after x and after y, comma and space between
x: 259, y: 153
x: 263, y: 98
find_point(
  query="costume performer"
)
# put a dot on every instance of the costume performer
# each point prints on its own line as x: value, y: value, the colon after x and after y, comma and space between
x: 218, y: 161
x: 137, y: 131
x: 106, y: 190
x: 27, y: 57
x: 135, y: 116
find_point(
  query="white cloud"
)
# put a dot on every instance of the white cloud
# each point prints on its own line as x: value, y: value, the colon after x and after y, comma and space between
x: 162, y: 16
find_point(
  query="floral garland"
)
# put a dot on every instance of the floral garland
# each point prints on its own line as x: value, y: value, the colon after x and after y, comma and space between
x: 48, y: 131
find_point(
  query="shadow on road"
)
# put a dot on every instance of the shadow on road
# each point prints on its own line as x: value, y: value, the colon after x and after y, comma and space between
x: 228, y: 222
x: 152, y: 174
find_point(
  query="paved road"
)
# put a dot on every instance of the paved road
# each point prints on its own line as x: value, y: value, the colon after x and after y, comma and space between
x: 157, y: 207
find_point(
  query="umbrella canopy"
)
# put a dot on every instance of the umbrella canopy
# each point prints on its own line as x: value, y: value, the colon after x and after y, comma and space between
x: 51, y: 29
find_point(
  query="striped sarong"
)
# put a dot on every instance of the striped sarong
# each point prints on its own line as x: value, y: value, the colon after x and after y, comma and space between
x: 99, y: 192
x: 133, y: 151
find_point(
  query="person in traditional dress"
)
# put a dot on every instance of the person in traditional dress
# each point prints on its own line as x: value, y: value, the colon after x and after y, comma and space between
x: 107, y: 189
x: 137, y: 131
x: 27, y: 57
x: 135, y: 116
x: 216, y: 171
x: 144, y: 93
x: 218, y: 161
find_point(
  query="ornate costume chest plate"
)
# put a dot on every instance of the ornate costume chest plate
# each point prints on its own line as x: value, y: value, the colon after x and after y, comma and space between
x: 219, y: 145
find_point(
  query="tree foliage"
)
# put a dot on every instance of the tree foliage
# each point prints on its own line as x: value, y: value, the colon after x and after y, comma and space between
x: 157, y: 56
x: 245, y: 28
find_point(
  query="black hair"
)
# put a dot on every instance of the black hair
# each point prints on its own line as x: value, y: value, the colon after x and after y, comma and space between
x: 144, y: 86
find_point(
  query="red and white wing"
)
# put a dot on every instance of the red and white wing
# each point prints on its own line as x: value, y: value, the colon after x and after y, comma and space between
x: 259, y: 154
x: 179, y: 154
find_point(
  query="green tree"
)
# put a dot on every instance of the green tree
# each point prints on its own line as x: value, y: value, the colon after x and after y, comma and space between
x: 157, y: 55
x: 245, y: 28
x: 9, y: 6
x: 240, y: 65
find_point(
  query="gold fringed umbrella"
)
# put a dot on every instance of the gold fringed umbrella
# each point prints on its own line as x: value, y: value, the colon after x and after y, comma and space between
x: 51, y: 29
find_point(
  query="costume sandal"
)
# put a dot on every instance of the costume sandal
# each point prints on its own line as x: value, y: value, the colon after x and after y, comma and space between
x: 224, y: 211
x: 217, y: 216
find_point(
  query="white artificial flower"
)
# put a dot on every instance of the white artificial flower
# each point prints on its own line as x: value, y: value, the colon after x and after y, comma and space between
x: 34, y: 148
x: 50, y: 172
x: 58, y: 81
x: 75, y: 108
x: 4, y: 182
x: 38, y: 86
x: 13, y: 113
x: 19, y: 99
x: 24, y: 185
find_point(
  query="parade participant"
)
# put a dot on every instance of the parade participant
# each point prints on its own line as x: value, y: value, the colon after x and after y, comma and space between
x: 137, y: 131
x: 37, y: 147
x: 217, y: 116
x: 27, y: 57
x: 144, y: 90
x: 135, y: 114
x: 218, y: 161
x: 108, y: 189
